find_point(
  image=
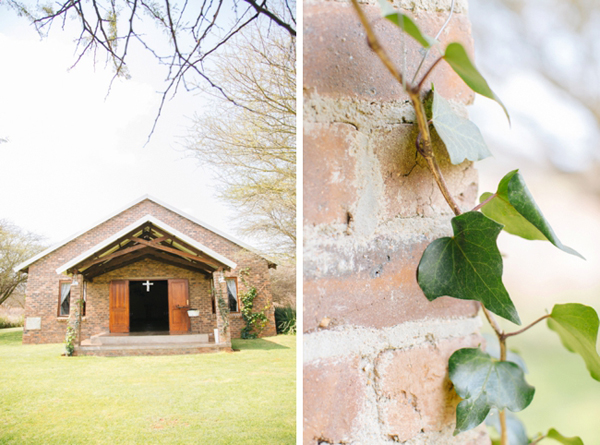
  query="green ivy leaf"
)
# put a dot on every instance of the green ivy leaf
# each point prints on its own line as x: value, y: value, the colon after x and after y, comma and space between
x: 517, y: 435
x: 577, y: 327
x: 461, y: 137
x: 553, y: 434
x: 467, y: 266
x: 405, y: 23
x: 458, y: 59
x: 484, y: 382
x: 515, y: 207
x: 500, y: 210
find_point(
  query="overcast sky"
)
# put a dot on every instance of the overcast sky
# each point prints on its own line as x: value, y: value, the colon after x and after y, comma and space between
x: 74, y: 155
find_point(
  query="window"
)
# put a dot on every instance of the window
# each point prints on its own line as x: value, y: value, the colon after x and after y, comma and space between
x: 232, y: 295
x: 84, y: 298
x: 64, y: 301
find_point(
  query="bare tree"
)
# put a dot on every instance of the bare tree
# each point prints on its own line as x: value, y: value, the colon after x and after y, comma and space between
x: 194, y: 31
x: 16, y: 246
x: 283, y: 285
x: 252, y: 147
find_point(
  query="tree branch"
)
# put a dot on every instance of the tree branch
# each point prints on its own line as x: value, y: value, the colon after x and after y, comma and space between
x: 194, y: 36
x: 262, y: 10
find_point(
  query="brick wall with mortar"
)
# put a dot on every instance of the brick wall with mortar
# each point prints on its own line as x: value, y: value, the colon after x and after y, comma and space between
x: 43, y: 281
x: 375, y: 350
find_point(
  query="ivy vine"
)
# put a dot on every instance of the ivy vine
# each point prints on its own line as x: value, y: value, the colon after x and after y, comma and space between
x: 70, y: 341
x: 255, y: 321
x: 223, y: 309
x: 468, y: 265
x: 71, y: 334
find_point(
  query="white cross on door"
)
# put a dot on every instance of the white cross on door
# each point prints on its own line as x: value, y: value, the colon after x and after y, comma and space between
x: 147, y: 284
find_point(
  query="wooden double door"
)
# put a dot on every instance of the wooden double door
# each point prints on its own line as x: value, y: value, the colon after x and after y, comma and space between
x: 178, y: 300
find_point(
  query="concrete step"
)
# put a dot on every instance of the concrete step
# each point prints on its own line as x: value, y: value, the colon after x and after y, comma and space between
x: 150, y: 349
x: 136, y: 340
x: 148, y: 346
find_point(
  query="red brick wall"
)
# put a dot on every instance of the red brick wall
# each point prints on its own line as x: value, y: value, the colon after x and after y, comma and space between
x: 375, y: 350
x: 43, y: 287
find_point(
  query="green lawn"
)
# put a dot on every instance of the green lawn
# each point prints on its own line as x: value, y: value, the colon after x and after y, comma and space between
x: 224, y: 398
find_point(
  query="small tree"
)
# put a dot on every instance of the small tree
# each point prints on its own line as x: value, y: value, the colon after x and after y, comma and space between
x: 283, y: 285
x: 16, y: 246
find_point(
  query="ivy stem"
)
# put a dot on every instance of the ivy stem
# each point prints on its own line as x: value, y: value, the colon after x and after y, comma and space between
x: 520, y: 331
x: 502, y: 414
x: 420, y: 84
x: 504, y: 434
x: 537, y: 440
x: 437, y: 36
x: 439, y: 179
x: 502, y: 340
x: 375, y: 45
x: 425, y: 147
x: 492, y: 321
x: 481, y: 204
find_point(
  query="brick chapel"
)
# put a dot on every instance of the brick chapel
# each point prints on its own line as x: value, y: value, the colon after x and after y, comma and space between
x: 145, y: 269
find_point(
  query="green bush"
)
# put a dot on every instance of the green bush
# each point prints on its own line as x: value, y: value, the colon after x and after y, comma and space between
x: 285, y: 320
x: 11, y: 322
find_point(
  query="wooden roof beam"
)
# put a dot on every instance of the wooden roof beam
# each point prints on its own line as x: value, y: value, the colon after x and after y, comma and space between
x: 202, y: 259
x: 173, y: 261
x: 126, y: 261
x: 113, y: 266
x: 173, y: 239
x: 114, y: 255
x: 118, y: 262
x: 117, y: 242
x: 181, y: 262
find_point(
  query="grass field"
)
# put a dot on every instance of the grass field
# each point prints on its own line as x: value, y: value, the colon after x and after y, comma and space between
x: 246, y: 397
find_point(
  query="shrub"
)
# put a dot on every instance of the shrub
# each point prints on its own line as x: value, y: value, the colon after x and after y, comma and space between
x: 11, y: 322
x: 285, y: 320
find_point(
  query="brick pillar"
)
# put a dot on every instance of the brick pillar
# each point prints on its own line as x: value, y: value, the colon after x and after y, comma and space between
x: 375, y: 349
x: 75, y: 312
x: 220, y: 287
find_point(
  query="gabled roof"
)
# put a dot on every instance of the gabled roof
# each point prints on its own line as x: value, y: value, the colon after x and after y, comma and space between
x: 148, y: 236
x: 25, y: 265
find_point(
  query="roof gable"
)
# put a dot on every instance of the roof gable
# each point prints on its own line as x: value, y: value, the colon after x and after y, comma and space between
x: 25, y: 265
x: 105, y: 251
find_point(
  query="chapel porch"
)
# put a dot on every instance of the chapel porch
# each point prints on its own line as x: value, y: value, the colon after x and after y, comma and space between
x: 148, y: 290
